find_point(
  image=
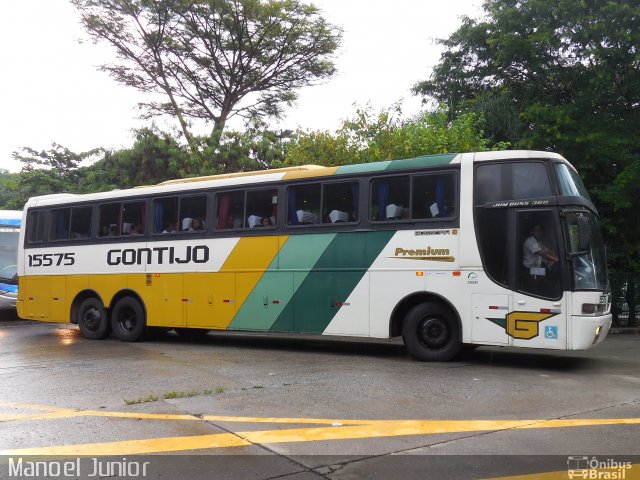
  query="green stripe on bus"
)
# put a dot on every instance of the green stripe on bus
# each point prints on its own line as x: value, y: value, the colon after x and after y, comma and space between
x: 423, y: 162
x: 411, y: 163
x: 271, y: 296
x: 334, y: 276
x: 362, y: 168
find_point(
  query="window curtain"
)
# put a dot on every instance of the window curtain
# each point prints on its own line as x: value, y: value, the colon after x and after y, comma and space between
x: 62, y: 228
x: 158, y: 217
x: 223, y: 211
x: 143, y: 218
x: 440, y: 195
x: 356, y: 202
x: 274, y: 208
x: 89, y: 223
x: 382, y: 195
x: 292, y: 208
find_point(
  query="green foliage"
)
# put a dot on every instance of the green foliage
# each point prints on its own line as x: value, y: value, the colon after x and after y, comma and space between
x: 369, y: 137
x: 257, y: 148
x: 153, y: 158
x: 561, y: 76
x: 56, y: 170
x: 8, y: 189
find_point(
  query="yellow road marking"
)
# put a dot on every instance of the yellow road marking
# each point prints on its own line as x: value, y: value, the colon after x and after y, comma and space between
x: 328, y: 429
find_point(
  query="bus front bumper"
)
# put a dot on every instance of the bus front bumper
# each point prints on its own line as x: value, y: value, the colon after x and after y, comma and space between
x: 589, y: 331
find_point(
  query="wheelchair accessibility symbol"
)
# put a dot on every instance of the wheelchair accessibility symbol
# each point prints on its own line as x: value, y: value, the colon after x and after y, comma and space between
x: 550, y: 332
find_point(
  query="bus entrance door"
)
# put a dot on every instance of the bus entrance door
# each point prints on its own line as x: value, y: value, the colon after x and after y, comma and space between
x: 538, y: 323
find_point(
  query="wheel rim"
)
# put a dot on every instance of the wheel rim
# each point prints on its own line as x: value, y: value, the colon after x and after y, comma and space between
x: 433, y: 332
x: 127, y: 320
x: 92, y: 319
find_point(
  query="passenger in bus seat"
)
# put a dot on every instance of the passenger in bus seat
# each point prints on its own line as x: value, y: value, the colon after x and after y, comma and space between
x: 196, y: 225
x: 234, y: 222
x: 254, y: 221
x: 170, y: 228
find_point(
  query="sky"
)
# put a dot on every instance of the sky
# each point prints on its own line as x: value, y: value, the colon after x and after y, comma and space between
x: 52, y: 90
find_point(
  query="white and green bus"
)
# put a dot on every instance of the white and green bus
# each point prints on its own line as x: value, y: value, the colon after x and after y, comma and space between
x: 436, y: 249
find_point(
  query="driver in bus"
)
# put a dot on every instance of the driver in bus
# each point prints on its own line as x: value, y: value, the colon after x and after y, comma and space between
x: 534, y: 253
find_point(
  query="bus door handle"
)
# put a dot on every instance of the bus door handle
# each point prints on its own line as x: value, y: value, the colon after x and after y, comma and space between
x: 522, y: 302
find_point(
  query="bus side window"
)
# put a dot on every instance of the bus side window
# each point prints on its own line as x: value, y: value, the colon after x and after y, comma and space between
x: 193, y: 211
x: 262, y: 208
x: 165, y: 215
x: 133, y: 218
x: 390, y: 199
x: 303, y: 204
x: 230, y: 210
x: 433, y: 196
x: 109, y: 219
x: 511, y: 181
x: 36, y: 227
x: 60, y: 224
x: 340, y: 202
x: 81, y: 222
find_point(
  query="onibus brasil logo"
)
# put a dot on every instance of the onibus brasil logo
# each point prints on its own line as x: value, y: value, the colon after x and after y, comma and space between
x: 593, y: 468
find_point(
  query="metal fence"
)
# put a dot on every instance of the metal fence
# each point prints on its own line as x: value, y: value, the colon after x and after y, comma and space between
x: 625, y: 288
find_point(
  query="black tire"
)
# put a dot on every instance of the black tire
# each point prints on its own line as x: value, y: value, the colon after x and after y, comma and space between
x: 93, y: 319
x: 431, y: 333
x: 128, y: 320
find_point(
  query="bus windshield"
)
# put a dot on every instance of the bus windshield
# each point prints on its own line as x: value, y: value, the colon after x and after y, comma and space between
x: 8, y: 254
x: 587, y: 251
x: 570, y: 182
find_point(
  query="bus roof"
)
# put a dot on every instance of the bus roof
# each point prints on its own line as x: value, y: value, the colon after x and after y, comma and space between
x: 291, y: 173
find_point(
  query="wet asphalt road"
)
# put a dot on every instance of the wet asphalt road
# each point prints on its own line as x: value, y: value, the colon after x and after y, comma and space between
x: 259, y: 406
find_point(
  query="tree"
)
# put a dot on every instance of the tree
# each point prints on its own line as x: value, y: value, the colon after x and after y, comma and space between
x: 154, y: 157
x: 369, y: 137
x: 214, y: 59
x: 44, y: 172
x: 7, y: 188
x: 561, y: 76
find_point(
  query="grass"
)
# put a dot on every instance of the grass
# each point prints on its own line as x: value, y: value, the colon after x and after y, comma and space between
x: 172, y: 394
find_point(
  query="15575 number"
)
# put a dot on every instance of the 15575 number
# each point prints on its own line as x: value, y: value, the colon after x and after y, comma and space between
x: 51, y: 259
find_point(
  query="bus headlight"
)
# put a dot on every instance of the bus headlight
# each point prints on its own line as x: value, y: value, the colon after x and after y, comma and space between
x: 597, y: 335
x: 594, y: 309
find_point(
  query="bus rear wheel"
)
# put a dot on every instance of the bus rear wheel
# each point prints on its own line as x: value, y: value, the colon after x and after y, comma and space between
x: 93, y: 320
x: 128, y: 320
x: 431, y: 333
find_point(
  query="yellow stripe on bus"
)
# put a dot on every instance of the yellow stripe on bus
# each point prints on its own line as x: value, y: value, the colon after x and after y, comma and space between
x: 249, y: 260
x: 320, y: 172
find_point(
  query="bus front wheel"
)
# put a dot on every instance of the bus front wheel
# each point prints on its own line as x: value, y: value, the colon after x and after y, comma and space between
x: 128, y: 320
x: 431, y: 333
x: 93, y: 320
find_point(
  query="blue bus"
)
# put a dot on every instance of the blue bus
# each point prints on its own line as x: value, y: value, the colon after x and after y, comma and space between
x: 10, y: 221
